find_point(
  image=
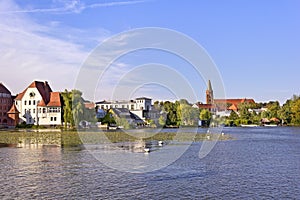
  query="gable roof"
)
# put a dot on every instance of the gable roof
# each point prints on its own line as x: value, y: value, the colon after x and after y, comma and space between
x: 43, y: 88
x: 54, y: 99
x: 13, y: 110
x: 233, y: 107
x: 3, y: 89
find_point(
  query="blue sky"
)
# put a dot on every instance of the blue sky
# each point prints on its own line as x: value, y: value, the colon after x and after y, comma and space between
x: 255, y: 44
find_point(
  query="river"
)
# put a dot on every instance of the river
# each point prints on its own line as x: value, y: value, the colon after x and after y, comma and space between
x: 260, y: 163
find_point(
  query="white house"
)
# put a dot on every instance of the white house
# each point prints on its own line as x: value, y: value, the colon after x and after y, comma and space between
x: 140, y: 106
x: 38, y: 105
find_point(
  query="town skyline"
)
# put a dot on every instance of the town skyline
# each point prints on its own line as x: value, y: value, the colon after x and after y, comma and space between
x: 255, y: 45
x: 204, y: 101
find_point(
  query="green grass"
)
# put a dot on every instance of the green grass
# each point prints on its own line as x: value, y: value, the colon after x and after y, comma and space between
x: 73, y: 138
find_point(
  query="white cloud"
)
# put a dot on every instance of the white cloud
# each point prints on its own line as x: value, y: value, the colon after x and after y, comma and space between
x: 28, y: 52
x: 69, y: 6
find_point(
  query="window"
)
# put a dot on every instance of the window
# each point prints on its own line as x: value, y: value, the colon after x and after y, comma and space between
x: 40, y: 110
x: 33, y: 111
x: 25, y: 102
x: 33, y: 102
x: 54, y: 110
x: 51, y: 119
x: 44, y: 110
x: 29, y: 102
x: 54, y: 118
x: 29, y: 110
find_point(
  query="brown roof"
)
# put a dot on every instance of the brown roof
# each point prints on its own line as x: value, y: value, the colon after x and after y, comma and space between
x: 206, y: 106
x: 233, y: 101
x: 42, y: 103
x: 13, y: 110
x: 233, y: 107
x: 20, y: 95
x: 54, y: 99
x: 43, y: 88
x: 3, y: 89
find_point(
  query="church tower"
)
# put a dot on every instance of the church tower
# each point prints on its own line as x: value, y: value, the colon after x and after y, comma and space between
x: 209, y: 94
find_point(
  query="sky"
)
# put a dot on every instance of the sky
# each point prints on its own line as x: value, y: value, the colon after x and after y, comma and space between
x: 254, y: 45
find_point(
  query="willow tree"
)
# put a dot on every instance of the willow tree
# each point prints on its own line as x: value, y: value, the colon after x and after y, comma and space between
x: 67, y: 108
x: 73, y: 107
x: 77, y: 106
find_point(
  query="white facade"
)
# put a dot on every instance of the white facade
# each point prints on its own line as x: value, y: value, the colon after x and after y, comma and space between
x: 33, y: 109
x: 138, y: 106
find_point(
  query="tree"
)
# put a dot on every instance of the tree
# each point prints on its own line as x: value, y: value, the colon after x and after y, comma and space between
x: 67, y: 108
x: 205, y: 115
x: 273, y: 108
x: 189, y: 115
x: 295, y: 112
x: 244, y: 111
x: 162, y: 120
x: 74, y: 109
x: 233, y: 116
x: 121, y: 121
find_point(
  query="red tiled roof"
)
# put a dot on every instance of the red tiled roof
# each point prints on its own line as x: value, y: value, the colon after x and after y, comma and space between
x: 54, y: 99
x: 233, y: 107
x: 3, y: 89
x: 43, y: 88
x: 233, y: 101
x: 13, y: 110
x: 42, y: 103
x: 206, y: 106
x: 20, y: 95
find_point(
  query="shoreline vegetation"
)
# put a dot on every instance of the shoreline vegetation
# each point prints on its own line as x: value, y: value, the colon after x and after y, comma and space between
x: 57, y: 137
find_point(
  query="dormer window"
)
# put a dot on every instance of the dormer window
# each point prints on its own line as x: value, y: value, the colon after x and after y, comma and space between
x: 31, y: 94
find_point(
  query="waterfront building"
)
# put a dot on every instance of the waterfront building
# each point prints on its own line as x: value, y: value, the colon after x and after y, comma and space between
x: 39, y: 105
x: 140, y: 107
x: 6, y: 102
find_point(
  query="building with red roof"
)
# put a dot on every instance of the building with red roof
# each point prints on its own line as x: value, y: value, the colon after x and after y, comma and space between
x: 39, y: 105
x: 6, y: 102
x: 221, y: 104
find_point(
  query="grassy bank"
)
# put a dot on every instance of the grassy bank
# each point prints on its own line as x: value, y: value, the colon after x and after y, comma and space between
x: 73, y: 138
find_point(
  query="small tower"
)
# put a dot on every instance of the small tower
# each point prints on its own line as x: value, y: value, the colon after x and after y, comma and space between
x: 209, y: 94
x: 13, y: 114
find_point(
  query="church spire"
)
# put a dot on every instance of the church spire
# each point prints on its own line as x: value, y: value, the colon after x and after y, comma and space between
x: 209, y: 94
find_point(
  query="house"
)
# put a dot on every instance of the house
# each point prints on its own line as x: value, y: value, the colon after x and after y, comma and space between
x: 126, y: 114
x: 39, y: 105
x: 6, y: 104
x: 140, y: 106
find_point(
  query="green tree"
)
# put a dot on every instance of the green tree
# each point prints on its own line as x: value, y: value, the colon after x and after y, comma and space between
x: 295, y: 112
x: 189, y: 115
x: 244, y: 111
x: 233, y: 116
x: 67, y: 108
x: 121, y: 121
x: 162, y: 120
x: 205, y: 115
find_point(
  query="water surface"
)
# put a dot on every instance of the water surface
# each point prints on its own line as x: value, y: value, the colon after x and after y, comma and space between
x: 259, y: 163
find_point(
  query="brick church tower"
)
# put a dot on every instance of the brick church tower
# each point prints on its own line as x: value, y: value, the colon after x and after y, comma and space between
x: 209, y: 94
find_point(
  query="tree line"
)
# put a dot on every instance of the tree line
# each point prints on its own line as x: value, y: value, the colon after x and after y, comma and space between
x: 183, y: 113
x: 287, y: 114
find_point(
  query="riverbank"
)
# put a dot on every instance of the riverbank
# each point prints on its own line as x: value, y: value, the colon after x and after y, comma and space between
x: 74, y: 138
